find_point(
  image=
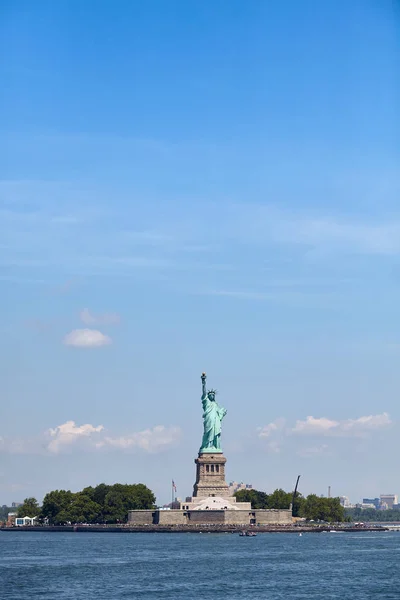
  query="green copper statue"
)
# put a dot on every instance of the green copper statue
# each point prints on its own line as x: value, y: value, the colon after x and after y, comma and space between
x: 212, y: 417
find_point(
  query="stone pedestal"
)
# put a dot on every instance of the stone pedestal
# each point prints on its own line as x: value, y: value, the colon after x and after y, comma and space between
x: 210, y: 476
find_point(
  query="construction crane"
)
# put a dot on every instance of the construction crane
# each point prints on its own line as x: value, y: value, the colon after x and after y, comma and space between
x: 295, y: 491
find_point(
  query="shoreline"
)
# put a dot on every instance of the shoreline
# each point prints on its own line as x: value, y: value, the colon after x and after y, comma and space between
x: 187, y: 529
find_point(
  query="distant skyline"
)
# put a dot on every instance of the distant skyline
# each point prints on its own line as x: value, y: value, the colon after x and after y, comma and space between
x: 194, y: 186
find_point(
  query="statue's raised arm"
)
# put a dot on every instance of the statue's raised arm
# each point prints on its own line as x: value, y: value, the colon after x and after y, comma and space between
x: 204, y: 389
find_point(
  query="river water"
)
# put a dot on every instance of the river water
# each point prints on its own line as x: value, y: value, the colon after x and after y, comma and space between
x: 199, y: 566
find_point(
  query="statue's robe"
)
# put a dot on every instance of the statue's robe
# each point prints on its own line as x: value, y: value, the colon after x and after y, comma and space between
x: 212, y: 417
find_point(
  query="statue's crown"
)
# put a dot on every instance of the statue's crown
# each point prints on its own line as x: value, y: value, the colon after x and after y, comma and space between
x: 213, y: 392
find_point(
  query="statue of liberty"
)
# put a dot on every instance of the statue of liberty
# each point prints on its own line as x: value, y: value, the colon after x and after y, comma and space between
x: 212, y: 417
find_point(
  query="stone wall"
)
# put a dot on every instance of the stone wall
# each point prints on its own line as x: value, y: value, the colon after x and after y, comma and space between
x: 170, y: 517
x: 237, y: 517
x: 209, y: 517
x: 140, y: 517
x: 273, y: 516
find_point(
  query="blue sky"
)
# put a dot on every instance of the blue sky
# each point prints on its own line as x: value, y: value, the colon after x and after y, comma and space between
x: 191, y: 186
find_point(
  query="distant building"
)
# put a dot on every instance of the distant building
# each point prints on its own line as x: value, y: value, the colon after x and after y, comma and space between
x: 388, y: 500
x: 375, y: 501
x: 11, y: 519
x: 234, y: 486
x: 345, y: 502
x: 172, y: 505
x: 16, y: 504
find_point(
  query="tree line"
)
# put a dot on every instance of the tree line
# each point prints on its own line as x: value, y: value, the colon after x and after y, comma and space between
x: 111, y: 503
x: 372, y: 514
x: 100, y: 504
x: 311, y: 507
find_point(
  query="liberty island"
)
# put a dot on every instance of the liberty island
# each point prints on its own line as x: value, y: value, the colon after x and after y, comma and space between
x: 212, y: 507
x: 211, y: 502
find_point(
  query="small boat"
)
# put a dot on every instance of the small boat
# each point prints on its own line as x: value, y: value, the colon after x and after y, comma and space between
x: 300, y: 534
x: 247, y: 534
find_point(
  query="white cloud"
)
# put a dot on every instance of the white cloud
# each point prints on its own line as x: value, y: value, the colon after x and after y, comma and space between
x: 68, y: 434
x: 150, y: 440
x: 86, y: 338
x: 366, y: 423
x: 345, y: 428
x: 315, y: 426
x: 279, y: 434
x: 273, y: 434
x: 271, y: 428
x: 103, y: 319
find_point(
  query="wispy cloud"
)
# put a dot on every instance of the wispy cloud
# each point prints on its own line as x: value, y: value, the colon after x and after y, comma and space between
x: 185, y: 246
x: 242, y: 294
x: 336, y: 233
x: 89, y: 318
x: 36, y: 235
x: 277, y: 434
x: 86, y: 338
x: 311, y: 451
x: 19, y: 445
x: 69, y: 437
x: 69, y: 433
x: 150, y: 440
x: 273, y: 435
x: 66, y: 287
x: 345, y: 428
x: 271, y: 428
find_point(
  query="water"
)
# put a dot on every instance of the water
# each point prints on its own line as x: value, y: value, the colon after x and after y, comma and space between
x: 202, y: 566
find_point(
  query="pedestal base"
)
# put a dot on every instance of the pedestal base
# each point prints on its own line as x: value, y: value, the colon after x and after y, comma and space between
x: 210, y: 476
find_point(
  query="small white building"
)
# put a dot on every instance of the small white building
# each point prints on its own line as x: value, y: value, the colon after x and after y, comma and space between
x: 25, y: 521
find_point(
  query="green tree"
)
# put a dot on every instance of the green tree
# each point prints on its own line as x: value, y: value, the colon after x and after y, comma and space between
x: 366, y: 515
x: 122, y: 498
x: 280, y: 499
x: 98, y: 493
x: 54, y: 503
x: 114, y: 510
x: 29, y: 508
x: 337, y: 512
x: 81, y: 509
x: 312, y: 508
x: 4, y: 510
x: 322, y: 509
x: 258, y: 499
x: 104, y: 503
